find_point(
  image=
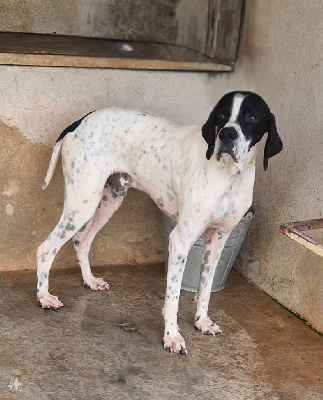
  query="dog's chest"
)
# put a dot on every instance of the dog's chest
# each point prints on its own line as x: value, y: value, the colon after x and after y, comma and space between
x: 232, y: 201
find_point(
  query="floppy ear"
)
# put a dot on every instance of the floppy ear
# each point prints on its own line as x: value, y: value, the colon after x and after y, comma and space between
x: 273, y: 145
x: 209, y: 133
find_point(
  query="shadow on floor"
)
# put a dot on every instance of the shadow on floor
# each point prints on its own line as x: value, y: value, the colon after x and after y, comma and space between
x: 109, y: 344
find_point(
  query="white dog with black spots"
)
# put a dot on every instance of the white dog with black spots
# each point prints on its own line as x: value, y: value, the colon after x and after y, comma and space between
x: 204, y: 182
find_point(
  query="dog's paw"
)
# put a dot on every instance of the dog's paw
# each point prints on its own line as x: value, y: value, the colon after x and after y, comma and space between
x: 207, y: 327
x: 49, y: 302
x: 96, y: 284
x: 175, y: 344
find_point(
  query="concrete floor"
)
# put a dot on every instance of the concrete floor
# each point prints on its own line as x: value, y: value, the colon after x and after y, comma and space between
x: 108, y: 345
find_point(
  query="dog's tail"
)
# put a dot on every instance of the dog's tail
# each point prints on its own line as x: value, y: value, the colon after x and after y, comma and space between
x: 53, y: 163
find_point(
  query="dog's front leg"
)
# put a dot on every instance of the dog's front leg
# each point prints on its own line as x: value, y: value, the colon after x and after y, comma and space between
x: 214, y: 241
x: 178, y: 250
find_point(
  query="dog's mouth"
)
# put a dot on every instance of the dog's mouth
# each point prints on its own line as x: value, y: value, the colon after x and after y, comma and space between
x: 230, y: 150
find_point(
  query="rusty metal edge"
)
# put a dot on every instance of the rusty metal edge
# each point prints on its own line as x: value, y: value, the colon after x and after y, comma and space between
x: 305, y: 225
x: 291, y: 230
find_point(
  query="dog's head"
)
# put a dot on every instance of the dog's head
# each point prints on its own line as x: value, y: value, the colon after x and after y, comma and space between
x: 237, y: 123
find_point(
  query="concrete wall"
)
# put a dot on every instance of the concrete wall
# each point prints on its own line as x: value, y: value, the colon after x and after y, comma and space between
x: 280, y: 58
x: 113, y: 19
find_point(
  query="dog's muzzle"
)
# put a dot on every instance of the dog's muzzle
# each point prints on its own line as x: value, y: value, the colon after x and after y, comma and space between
x: 227, y: 137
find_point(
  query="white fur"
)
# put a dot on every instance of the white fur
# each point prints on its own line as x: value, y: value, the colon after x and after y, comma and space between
x: 236, y: 105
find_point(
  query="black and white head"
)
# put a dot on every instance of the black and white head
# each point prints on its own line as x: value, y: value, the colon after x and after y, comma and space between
x: 236, y: 124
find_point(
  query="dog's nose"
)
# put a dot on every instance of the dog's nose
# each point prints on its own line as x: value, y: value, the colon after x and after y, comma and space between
x: 227, y: 135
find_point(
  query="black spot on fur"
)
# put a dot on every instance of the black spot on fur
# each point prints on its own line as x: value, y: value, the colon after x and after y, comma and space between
x: 83, y: 228
x: 69, y: 227
x: 206, y: 257
x: 160, y: 203
x: 72, y: 127
x: 181, y: 258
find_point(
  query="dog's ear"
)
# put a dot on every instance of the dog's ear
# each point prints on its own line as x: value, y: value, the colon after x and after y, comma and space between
x: 274, y: 145
x: 209, y: 133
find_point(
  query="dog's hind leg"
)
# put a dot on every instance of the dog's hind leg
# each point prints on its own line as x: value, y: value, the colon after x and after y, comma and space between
x: 108, y: 205
x: 79, y: 206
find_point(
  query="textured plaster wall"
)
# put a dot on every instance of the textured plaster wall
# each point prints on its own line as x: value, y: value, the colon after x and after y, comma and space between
x: 281, y: 58
x: 113, y: 19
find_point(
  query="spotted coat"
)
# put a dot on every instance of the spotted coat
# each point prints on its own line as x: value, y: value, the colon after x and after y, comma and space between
x: 204, y: 182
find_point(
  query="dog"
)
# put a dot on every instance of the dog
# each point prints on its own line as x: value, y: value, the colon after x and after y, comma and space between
x: 203, y: 181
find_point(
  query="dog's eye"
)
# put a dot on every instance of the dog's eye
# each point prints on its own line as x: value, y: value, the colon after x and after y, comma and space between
x: 251, y: 119
x: 221, y: 117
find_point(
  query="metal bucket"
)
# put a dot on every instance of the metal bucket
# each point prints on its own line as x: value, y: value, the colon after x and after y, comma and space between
x: 228, y: 256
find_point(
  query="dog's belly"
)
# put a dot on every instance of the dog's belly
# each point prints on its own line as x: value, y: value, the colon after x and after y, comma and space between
x: 164, y: 196
x: 168, y: 204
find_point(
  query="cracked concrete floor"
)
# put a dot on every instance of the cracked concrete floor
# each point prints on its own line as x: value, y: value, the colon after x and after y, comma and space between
x: 108, y: 344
